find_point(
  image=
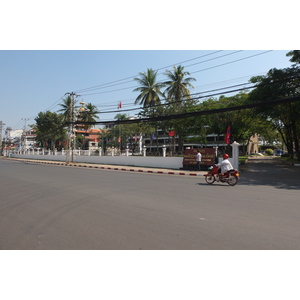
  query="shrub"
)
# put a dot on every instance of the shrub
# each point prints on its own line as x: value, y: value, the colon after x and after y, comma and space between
x: 269, y: 151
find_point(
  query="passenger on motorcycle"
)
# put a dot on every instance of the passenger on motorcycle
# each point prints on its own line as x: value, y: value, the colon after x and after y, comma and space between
x: 225, y: 164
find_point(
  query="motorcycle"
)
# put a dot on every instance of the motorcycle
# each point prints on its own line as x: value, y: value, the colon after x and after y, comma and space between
x: 231, y: 177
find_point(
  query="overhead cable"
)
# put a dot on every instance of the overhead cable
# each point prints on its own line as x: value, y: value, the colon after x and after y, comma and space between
x: 195, y: 113
x: 193, y: 72
x: 131, y: 77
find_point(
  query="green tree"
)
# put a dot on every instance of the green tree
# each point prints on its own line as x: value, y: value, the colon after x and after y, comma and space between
x: 121, y: 134
x: 66, y: 109
x: 149, y: 89
x: 280, y: 84
x: 80, y: 141
x: 178, y: 85
x: 89, y: 115
x: 295, y: 56
x: 242, y: 122
x: 177, y: 90
x: 50, y: 129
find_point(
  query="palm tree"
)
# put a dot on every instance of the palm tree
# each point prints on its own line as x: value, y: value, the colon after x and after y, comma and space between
x: 149, y: 88
x: 178, y: 86
x: 89, y: 114
x: 67, y: 110
x: 177, y: 90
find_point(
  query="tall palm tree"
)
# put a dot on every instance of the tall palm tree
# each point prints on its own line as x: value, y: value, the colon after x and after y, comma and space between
x: 177, y: 90
x: 67, y: 110
x: 178, y: 84
x: 149, y: 88
x: 89, y: 114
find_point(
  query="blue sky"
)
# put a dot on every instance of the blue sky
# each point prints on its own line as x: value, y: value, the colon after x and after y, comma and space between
x: 34, y: 81
x: 38, y: 64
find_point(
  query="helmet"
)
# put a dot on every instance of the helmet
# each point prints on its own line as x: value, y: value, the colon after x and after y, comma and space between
x: 225, y: 156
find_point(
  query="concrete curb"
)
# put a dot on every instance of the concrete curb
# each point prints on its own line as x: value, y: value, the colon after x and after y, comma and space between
x: 117, y: 168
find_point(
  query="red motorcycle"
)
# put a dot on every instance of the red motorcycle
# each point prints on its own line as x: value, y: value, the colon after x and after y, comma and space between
x: 231, y: 177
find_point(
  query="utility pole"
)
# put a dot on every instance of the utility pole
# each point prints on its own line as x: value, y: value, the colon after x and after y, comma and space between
x: 70, y: 156
x: 1, y: 128
x: 23, y: 138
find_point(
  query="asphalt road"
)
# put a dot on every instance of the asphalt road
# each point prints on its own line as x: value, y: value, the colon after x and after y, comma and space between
x: 59, y: 207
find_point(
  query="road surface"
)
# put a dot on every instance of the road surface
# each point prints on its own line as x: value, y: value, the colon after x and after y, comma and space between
x: 60, y: 207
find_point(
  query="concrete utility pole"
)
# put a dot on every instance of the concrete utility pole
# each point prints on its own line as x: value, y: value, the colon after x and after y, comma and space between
x: 1, y: 128
x: 70, y: 155
x: 23, y: 138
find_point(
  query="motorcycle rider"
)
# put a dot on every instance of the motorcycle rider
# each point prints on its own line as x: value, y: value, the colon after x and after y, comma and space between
x: 225, y: 165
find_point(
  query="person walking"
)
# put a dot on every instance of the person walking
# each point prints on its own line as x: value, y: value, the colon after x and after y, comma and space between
x: 198, y: 160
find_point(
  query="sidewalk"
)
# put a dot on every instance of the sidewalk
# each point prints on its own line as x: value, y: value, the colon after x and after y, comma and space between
x: 116, y: 167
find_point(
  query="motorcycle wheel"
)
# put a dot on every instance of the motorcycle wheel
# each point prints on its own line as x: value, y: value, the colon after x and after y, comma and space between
x: 232, y: 180
x: 210, y: 179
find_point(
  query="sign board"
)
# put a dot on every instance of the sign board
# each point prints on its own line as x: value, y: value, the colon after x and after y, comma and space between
x: 189, y: 159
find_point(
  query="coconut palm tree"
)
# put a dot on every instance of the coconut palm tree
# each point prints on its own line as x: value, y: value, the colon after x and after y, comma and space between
x: 149, y: 88
x: 89, y: 114
x: 67, y: 110
x: 177, y: 90
x: 178, y: 84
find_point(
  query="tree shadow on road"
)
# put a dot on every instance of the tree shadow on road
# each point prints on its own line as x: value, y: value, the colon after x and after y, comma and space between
x: 267, y: 172
x: 270, y: 173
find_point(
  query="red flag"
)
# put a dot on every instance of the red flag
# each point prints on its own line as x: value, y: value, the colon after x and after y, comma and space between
x: 171, y: 133
x: 120, y: 105
x: 227, y: 136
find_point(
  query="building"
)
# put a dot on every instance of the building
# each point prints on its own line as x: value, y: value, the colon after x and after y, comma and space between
x: 91, y: 137
x: 170, y: 141
x: 20, y: 139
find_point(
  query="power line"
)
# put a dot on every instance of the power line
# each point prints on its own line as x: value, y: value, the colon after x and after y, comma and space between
x: 219, y: 65
x: 195, y: 113
x: 111, y: 85
x: 222, y: 92
x: 216, y: 83
x: 112, y: 82
x: 232, y: 62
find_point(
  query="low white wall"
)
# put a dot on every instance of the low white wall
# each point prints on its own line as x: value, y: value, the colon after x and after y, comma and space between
x: 140, y: 161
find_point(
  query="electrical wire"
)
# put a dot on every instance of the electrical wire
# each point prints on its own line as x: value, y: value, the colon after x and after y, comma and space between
x: 131, y: 77
x: 195, y: 113
x: 222, y: 92
x: 193, y: 72
x: 221, y: 65
x: 134, y: 109
x: 111, y: 85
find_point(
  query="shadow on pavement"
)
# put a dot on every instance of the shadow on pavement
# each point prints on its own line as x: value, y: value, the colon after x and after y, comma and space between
x: 270, y: 171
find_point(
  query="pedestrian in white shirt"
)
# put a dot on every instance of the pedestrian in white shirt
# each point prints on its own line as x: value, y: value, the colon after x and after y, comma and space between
x: 198, y: 159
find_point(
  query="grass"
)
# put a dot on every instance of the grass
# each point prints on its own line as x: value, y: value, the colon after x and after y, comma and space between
x: 290, y: 160
x: 242, y: 159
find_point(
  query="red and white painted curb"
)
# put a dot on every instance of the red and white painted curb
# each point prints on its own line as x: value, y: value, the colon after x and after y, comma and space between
x: 146, y: 170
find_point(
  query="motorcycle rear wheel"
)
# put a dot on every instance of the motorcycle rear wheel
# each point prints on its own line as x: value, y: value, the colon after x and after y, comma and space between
x: 232, y: 180
x: 210, y: 179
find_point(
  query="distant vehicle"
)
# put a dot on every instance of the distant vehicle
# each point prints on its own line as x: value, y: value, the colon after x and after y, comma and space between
x: 278, y: 152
